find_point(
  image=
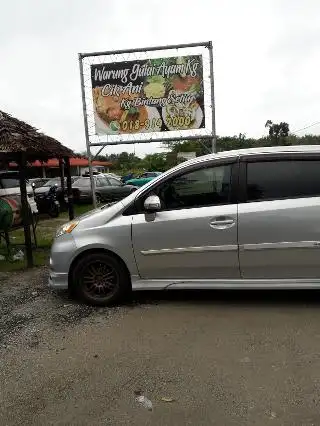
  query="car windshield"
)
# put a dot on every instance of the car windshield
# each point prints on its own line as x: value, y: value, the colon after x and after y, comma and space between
x: 82, y: 182
x: 52, y: 182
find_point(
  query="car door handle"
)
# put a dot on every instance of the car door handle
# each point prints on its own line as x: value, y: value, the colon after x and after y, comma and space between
x: 222, y: 223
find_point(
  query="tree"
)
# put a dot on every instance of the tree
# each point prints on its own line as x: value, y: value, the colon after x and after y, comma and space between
x: 124, y: 162
x: 155, y: 162
x: 277, y: 132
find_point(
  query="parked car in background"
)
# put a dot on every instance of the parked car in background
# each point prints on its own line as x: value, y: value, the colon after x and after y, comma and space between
x: 244, y: 219
x: 37, y: 182
x: 112, y: 175
x: 107, y: 189
x: 48, y: 202
x: 10, y: 185
x: 42, y: 192
x: 143, y: 179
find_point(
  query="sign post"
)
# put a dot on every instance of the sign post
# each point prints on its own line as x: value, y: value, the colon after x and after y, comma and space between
x: 86, y: 130
x: 213, y: 115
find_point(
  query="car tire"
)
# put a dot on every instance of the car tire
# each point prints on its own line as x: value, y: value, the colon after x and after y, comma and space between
x: 100, y: 279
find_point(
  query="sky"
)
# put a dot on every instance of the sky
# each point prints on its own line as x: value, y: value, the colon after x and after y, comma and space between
x: 265, y: 52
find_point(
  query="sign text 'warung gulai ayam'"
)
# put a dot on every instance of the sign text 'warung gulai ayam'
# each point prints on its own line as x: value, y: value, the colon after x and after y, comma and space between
x: 155, y: 95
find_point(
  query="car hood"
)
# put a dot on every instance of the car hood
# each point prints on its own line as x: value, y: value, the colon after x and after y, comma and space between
x: 138, y: 180
x: 42, y: 190
x: 99, y: 216
x: 102, y: 215
x: 129, y: 186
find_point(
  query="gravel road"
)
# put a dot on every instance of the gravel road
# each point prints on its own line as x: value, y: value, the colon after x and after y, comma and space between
x: 202, y: 358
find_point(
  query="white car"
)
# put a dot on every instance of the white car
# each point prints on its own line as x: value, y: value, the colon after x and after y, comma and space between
x: 10, y: 185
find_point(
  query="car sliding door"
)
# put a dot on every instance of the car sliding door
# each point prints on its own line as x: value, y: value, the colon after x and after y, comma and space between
x: 279, y: 218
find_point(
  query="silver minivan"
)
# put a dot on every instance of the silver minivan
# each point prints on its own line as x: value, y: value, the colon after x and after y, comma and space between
x: 233, y: 220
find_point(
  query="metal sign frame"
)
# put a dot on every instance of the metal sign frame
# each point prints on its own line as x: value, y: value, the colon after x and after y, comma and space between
x: 101, y: 144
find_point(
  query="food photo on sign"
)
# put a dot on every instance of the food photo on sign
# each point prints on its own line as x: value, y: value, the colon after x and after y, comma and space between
x: 143, y: 96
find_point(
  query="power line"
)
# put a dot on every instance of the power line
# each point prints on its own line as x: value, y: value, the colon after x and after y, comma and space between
x: 307, y: 127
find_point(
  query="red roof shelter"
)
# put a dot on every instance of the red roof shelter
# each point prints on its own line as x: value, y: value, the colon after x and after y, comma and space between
x: 77, y: 165
x: 74, y: 162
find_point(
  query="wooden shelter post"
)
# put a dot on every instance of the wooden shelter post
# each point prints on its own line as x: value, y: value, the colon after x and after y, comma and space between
x: 25, y: 208
x: 23, y: 143
x: 61, y: 169
x: 69, y: 188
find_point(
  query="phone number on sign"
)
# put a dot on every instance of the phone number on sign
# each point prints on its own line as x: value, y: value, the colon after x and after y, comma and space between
x: 155, y: 123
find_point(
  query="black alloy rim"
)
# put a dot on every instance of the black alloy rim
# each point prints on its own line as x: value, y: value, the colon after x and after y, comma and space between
x: 100, y: 280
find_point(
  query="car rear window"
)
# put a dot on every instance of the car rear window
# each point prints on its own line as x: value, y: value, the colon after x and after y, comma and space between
x: 272, y: 180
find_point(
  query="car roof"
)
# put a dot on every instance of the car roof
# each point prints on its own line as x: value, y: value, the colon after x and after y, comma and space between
x: 9, y: 172
x: 244, y: 152
x: 255, y: 151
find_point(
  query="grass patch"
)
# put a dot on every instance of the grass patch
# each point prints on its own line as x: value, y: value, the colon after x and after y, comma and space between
x: 40, y: 258
x: 45, y: 232
x: 79, y: 209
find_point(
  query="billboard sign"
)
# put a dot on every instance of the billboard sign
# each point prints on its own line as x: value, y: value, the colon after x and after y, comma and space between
x: 146, y: 96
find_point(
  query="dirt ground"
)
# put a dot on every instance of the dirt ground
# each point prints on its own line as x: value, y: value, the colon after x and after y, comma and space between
x: 202, y: 358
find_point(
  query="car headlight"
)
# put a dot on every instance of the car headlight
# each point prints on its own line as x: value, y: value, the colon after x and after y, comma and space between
x: 67, y: 228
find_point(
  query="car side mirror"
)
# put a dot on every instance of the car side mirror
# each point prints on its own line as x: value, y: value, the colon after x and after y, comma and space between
x: 152, y: 204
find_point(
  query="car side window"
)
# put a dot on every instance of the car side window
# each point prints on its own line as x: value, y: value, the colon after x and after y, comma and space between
x: 114, y: 182
x: 100, y: 182
x: 104, y: 181
x: 274, y: 180
x: 199, y: 188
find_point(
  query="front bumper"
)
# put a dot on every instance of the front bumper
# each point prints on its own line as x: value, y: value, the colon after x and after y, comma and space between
x: 58, y: 280
x: 62, y: 253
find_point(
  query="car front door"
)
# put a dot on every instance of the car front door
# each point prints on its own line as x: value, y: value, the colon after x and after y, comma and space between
x: 101, y: 190
x: 279, y: 218
x: 110, y: 188
x: 194, y: 235
x: 118, y: 189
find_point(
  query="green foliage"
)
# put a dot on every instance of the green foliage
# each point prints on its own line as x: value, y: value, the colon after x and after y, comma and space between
x: 155, y: 162
x: 277, y: 132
